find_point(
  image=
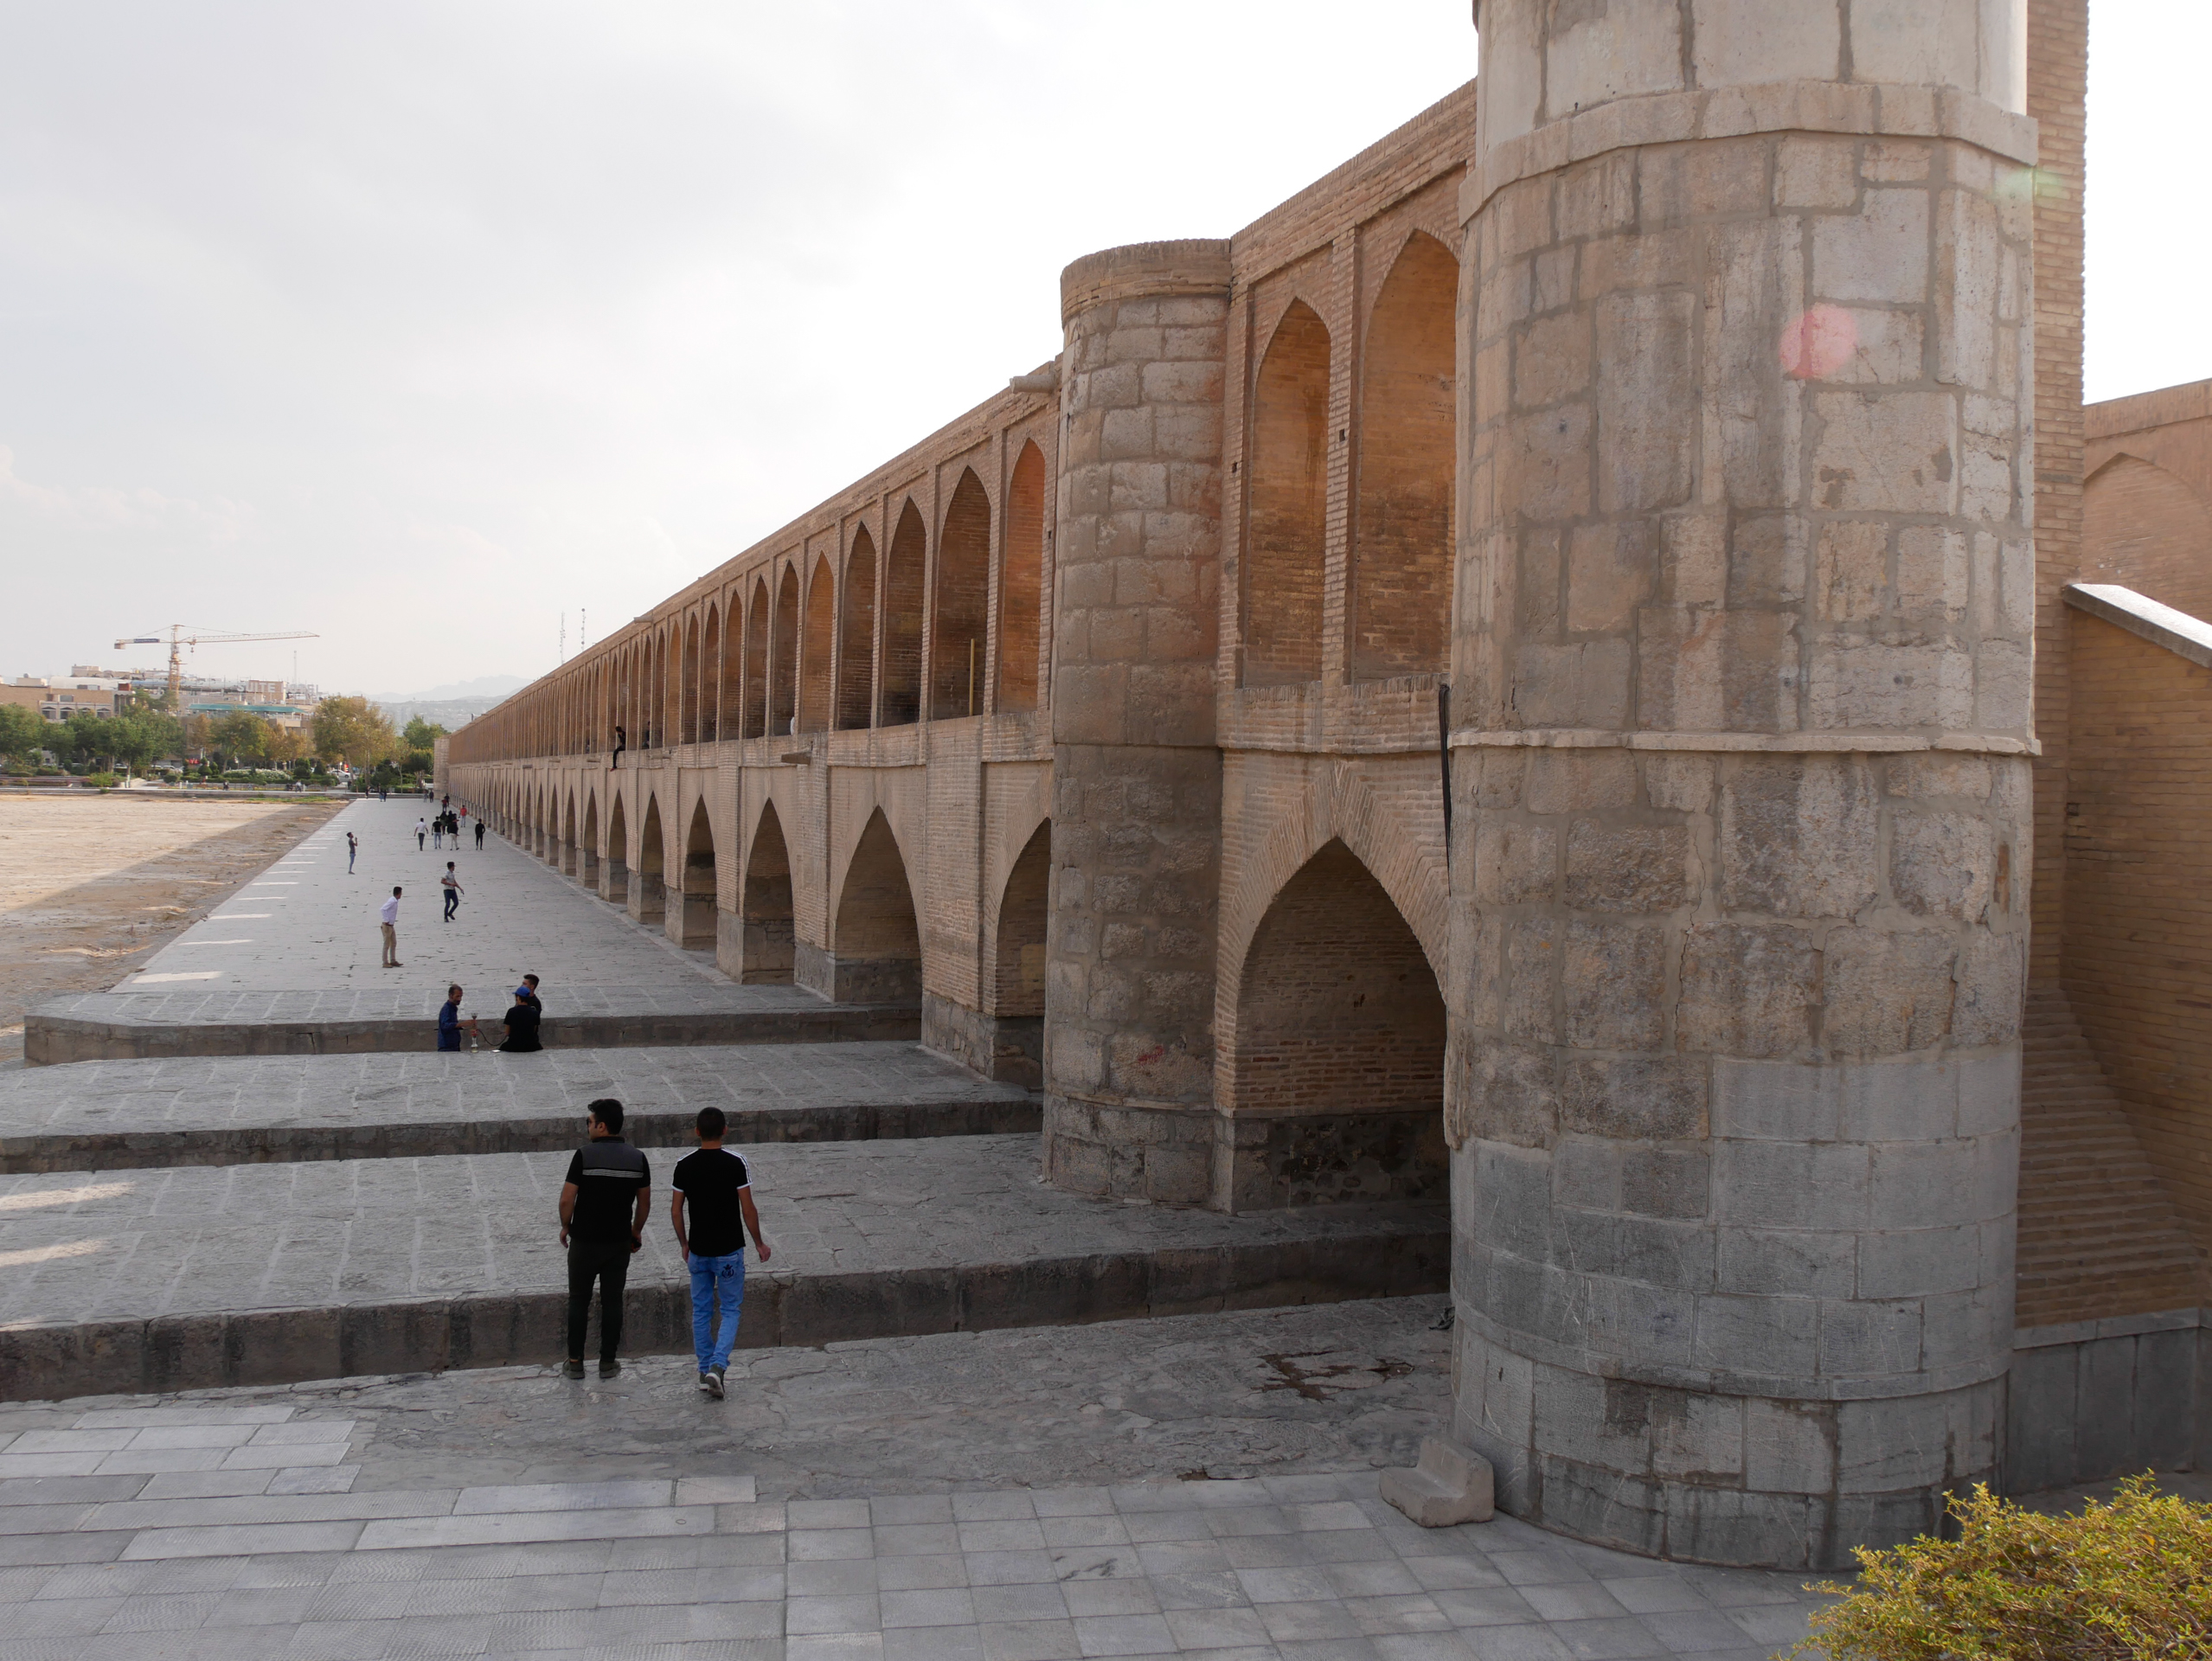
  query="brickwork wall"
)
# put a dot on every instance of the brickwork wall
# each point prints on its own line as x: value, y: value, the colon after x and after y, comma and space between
x: 2139, y: 904
x: 959, y: 613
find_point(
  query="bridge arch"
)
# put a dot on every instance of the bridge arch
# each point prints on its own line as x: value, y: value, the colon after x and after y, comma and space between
x: 766, y: 917
x: 960, y: 605
x: 817, y: 650
x: 617, y: 888
x: 902, y: 618
x: 857, y: 636
x: 783, y: 655
x: 688, y: 688
x: 1021, y: 583
x: 756, y: 661
x: 649, y: 888
x: 1338, y: 1045
x: 691, y: 919
x: 710, y: 676
x: 1286, y: 516
x: 2143, y: 527
x: 1401, y: 558
x: 587, y: 852
x: 876, y: 944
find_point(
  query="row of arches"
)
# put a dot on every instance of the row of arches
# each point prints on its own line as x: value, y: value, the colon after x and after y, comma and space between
x: 1336, y: 1008
x: 1403, y: 468
x: 830, y: 639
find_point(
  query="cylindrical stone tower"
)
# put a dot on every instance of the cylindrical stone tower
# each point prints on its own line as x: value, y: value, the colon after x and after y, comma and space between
x: 1741, y: 674
x: 1136, y: 778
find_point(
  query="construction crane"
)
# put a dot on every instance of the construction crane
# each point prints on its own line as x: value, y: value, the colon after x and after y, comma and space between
x: 179, y: 639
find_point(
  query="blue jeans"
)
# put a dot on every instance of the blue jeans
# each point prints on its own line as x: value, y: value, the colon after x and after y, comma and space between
x: 710, y: 1276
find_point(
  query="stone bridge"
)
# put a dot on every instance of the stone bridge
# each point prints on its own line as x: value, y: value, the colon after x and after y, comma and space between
x: 1672, y: 406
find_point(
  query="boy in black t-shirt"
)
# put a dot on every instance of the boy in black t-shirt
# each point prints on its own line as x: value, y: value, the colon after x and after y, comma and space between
x: 522, y: 1026
x: 719, y: 1191
x: 603, y: 1205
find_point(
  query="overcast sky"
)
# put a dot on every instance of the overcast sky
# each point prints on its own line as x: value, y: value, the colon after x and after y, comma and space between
x: 418, y: 326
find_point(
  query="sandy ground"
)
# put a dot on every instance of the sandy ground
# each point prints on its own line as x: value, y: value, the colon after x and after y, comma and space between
x: 90, y: 885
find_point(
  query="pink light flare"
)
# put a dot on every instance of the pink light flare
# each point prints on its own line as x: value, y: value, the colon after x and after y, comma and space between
x: 1818, y: 342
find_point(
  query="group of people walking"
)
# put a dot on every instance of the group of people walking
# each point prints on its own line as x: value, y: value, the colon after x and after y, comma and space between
x: 606, y: 1201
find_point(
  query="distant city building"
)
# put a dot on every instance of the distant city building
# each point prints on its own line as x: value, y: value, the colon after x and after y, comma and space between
x: 58, y: 700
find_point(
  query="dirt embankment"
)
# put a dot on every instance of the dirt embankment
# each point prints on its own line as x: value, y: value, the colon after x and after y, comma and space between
x: 90, y: 885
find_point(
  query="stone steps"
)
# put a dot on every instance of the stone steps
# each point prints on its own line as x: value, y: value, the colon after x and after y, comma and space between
x: 190, y: 1278
x: 245, y: 1110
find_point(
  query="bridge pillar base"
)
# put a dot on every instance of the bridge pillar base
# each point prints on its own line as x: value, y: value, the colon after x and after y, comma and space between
x: 857, y: 980
x: 1007, y: 1048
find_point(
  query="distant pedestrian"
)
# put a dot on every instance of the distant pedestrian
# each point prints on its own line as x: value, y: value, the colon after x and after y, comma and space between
x: 421, y: 832
x: 479, y: 836
x: 522, y: 1024
x: 621, y: 743
x: 437, y: 832
x: 604, y: 1204
x: 718, y: 1189
x: 452, y: 884
x: 450, y: 1024
x: 389, y: 915
x: 353, y: 847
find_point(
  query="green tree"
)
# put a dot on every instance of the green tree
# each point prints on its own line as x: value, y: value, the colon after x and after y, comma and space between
x: 240, y: 735
x: 134, y: 739
x: 353, y: 730
x: 421, y: 734
x: 22, y: 733
x: 83, y: 737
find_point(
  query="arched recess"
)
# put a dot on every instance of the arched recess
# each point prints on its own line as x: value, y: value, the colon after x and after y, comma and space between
x: 1020, y: 584
x: 960, y: 608
x: 764, y: 907
x: 2143, y: 526
x: 756, y: 661
x: 783, y: 655
x: 648, y: 890
x: 616, y: 888
x: 1286, y: 520
x: 730, y: 720
x: 587, y: 852
x: 1337, y: 1046
x: 817, y: 653
x: 687, y: 689
x: 710, y: 677
x: 857, y: 636
x: 691, y: 921
x: 568, y: 836
x: 1017, y: 991
x: 877, y: 947
x: 902, y: 596
x: 1401, y: 563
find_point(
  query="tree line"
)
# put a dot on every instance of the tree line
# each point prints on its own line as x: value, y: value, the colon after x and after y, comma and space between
x: 352, y: 731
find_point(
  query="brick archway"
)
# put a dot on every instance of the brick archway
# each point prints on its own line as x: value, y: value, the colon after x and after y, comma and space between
x: 876, y: 946
x: 764, y: 912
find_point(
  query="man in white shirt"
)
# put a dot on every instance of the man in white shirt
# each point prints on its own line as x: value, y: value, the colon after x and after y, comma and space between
x: 389, y: 917
x: 421, y: 833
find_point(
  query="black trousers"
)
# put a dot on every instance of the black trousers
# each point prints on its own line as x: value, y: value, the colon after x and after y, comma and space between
x: 608, y: 1264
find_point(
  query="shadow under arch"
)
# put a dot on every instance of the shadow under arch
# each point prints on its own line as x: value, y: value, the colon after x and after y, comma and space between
x: 614, y: 888
x: 648, y: 892
x: 1017, y: 991
x: 691, y: 924
x: 1336, y: 1047
x: 588, y: 855
x: 767, y: 928
x: 874, y: 954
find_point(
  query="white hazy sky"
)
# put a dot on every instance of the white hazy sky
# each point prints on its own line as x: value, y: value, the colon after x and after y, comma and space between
x: 419, y: 324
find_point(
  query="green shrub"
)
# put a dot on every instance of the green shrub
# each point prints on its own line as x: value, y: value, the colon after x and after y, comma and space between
x: 2127, y: 1581
x: 103, y: 781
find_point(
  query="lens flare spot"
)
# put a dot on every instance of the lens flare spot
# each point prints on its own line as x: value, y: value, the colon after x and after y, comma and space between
x: 1818, y: 342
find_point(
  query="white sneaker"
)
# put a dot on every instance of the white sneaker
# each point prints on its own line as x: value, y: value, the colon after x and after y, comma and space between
x: 714, y: 1384
x: 707, y: 1384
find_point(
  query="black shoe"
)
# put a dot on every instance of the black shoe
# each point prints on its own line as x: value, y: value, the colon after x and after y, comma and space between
x: 572, y: 1369
x: 609, y: 1369
x: 706, y: 1384
x: 714, y: 1384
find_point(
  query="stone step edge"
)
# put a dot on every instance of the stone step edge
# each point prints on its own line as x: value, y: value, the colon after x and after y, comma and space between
x: 55, y: 1040
x: 259, y: 1144
x: 1398, y: 1257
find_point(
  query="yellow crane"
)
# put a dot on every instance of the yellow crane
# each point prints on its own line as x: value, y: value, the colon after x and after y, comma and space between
x: 182, y: 635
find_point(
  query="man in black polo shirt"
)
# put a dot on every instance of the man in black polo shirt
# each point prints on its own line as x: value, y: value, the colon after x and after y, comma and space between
x: 604, y: 1206
x: 720, y: 1191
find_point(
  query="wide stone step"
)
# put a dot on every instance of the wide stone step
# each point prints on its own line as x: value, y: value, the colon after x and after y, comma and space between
x: 240, y: 1110
x: 131, y: 1026
x: 127, y: 1281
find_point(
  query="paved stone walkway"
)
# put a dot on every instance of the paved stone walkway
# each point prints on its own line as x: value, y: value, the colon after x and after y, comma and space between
x: 222, y: 1110
x: 512, y: 1513
x: 304, y: 925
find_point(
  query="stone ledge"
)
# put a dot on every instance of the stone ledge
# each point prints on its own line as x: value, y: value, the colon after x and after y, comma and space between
x: 1815, y: 742
x: 2140, y: 615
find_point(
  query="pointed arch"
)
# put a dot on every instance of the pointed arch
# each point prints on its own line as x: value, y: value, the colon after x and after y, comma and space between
x: 587, y: 871
x: 1338, y: 1040
x: 1401, y: 560
x: 1286, y: 516
x: 756, y: 661
x: 817, y: 649
x: 2143, y: 527
x: 710, y: 676
x: 769, y: 948
x: 648, y: 888
x: 857, y: 636
x: 1020, y: 584
x: 902, y: 609
x: 687, y: 686
x: 783, y: 655
x: 960, y: 606
x: 877, y: 945
x: 691, y: 919
x: 569, y: 834
x: 730, y: 720
x: 1018, y: 952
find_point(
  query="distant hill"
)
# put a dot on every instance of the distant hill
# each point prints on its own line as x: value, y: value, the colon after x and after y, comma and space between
x: 452, y: 706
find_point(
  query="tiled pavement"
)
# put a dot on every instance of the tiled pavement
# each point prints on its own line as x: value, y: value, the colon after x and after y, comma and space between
x: 181, y: 1531
x: 211, y: 1109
